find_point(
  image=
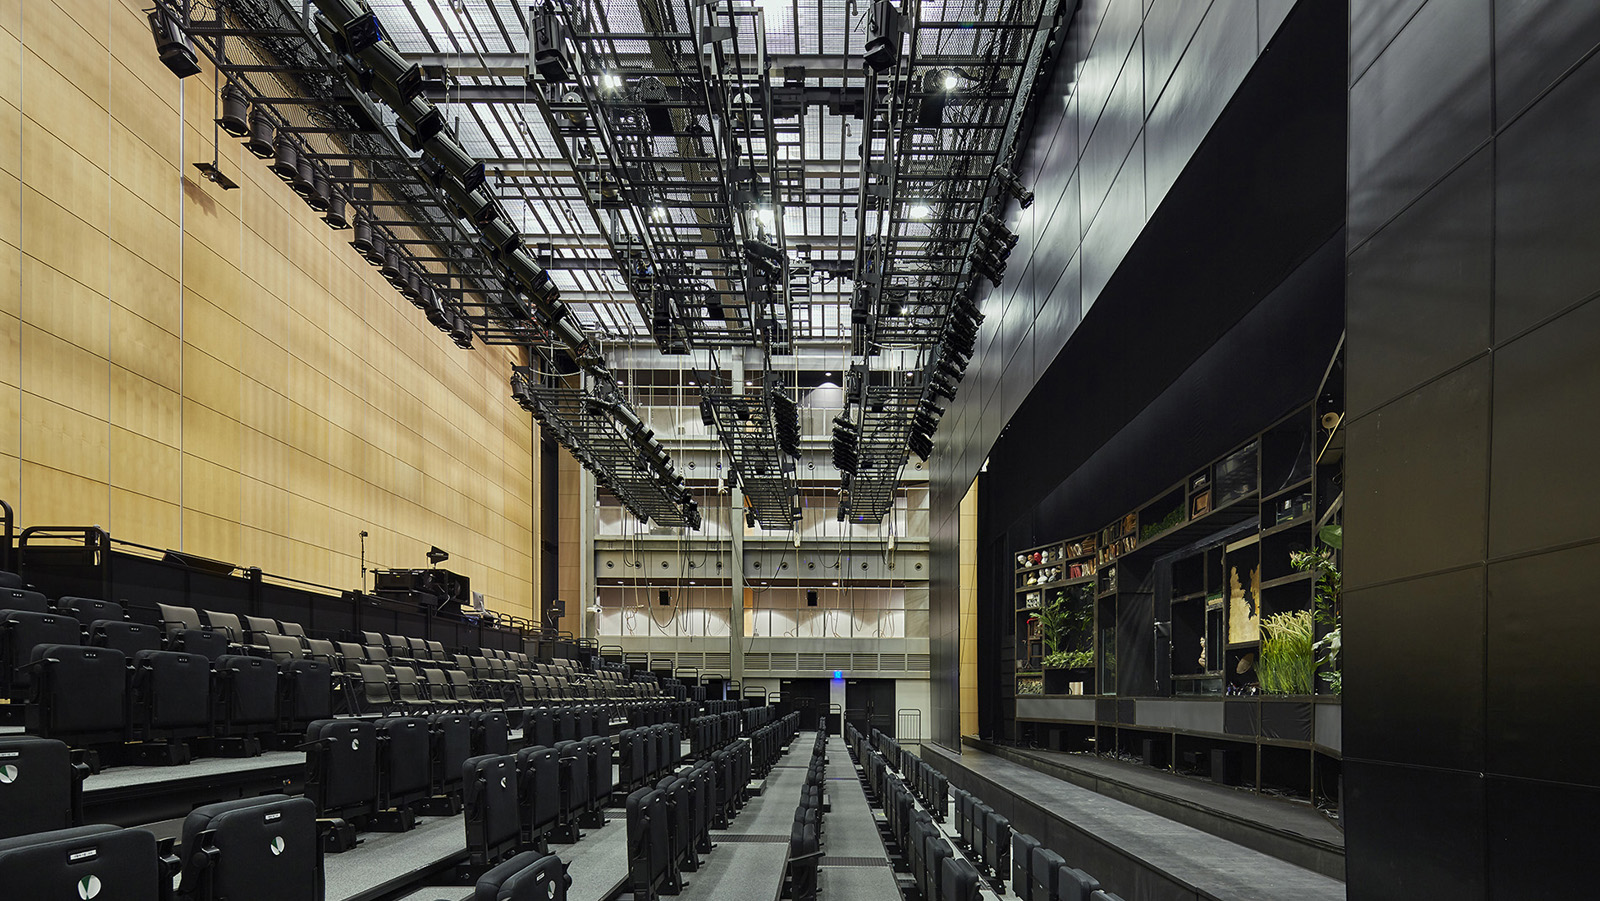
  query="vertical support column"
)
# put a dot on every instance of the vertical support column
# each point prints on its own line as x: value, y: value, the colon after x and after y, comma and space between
x: 588, y: 527
x: 736, y: 532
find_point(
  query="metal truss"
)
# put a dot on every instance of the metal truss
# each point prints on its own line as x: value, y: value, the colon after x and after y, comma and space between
x: 305, y: 90
x: 747, y: 427
x: 585, y: 426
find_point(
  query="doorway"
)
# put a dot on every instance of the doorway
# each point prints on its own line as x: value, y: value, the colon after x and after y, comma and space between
x: 869, y: 704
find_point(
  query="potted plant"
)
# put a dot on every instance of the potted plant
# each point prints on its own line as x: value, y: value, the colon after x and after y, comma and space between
x: 1329, y: 612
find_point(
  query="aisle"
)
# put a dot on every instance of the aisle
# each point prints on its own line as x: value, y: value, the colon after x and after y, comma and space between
x: 747, y: 863
x: 854, y: 864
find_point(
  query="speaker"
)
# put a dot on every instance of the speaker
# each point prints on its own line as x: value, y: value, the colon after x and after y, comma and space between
x: 811, y: 597
x: 665, y: 598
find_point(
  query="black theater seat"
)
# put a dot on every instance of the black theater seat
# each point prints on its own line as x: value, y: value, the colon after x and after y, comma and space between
x: 129, y: 638
x: 253, y: 849
x: 42, y: 788
x: 489, y: 803
x: 1075, y: 885
x: 81, y: 694
x: 20, y: 632
x: 529, y: 876
x: 84, y: 862
x: 87, y: 610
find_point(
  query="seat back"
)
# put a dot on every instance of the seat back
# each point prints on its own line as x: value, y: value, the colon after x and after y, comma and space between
x: 1045, y: 869
x: 252, y: 849
x: 529, y: 876
x: 600, y: 778
x: 539, y: 770
x: 1075, y: 885
x: 405, y: 760
x: 284, y: 647
x: 489, y: 801
x: 1022, y: 845
x: 257, y: 629
x: 207, y: 643
x: 20, y: 632
x: 226, y: 623
x: 249, y: 689
x: 452, y: 745
x: 172, y: 692
x: 87, y: 610
x: 294, y: 629
x: 307, y: 690
x: 39, y: 788
x: 81, y: 862
x: 375, y: 689
x: 342, y: 766
x: 23, y: 599
x: 83, y: 692
x: 490, y: 732
x: 959, y: 881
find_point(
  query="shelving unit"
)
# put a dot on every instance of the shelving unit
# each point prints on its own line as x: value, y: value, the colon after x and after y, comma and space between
x: 1177, y: 589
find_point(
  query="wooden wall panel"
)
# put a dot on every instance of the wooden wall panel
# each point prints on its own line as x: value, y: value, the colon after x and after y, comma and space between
x: 217, y: 371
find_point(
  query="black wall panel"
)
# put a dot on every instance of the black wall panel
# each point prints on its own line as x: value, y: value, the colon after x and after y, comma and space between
x: 1470, y: 534
x: 1128, y: 267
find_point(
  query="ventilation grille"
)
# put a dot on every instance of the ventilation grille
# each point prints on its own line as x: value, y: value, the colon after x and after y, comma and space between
x: 827, y: 861
x: 716, y: 663
x: 836, y: 661
x: 757, y: 662
x: 917, y: 663
x: 808, y: 661
x: 864, y: 663
x: 891, y: 661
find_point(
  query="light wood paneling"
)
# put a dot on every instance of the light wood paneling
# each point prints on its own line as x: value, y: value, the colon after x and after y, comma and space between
x: 217, y: 371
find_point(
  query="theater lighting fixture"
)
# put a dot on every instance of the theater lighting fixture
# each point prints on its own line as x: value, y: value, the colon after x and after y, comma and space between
x: 920, y: 211
x: 177, y: 54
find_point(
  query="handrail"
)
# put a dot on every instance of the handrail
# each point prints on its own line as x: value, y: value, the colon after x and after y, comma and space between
x: 8, y: 552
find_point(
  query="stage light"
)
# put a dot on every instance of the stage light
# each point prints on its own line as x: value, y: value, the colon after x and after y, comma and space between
x: 951, y: 80
x: 659, y: 214
x: 610, y: 82
x: 766, y: 217
x: 262, y: 142
x: 304, y: 182
x: 235, y: 118
x: 335, y: 216
x: 885, y: 28
x: 920, y: 211
x: 172, y: 43
x: 286, y: 159
x: 361, y: 235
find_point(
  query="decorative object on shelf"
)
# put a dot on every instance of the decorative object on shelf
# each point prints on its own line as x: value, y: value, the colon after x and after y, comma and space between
x: 1292, y: 508
x: 1030, y: 685
x: 1031, y: 600
x: 1202, y: 659
x: 1163, y: 524
x: 1329, y: 587
x: 1286, y: 664
x: 1244, y: 606
x: 1069, y: 660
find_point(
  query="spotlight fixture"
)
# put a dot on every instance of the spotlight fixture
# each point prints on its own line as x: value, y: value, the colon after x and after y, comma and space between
x: 361, y: 235
x: 885, y: 29
x: 235, y: 118
x: 172, y: 43
x: 261, y: 143
x: 659, y: 213
x: 919, y: 211
x: 950, y: 80
x: 335, y: 216
x: 286, y: 161
x: 610, y: 82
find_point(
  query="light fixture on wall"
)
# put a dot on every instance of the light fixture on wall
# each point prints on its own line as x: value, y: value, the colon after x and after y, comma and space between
x: 177, y: 54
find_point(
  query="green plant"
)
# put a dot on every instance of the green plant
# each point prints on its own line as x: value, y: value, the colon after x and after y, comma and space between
x: 1069, y: 660
x: 1286, y: 663
x: 1329, y: 610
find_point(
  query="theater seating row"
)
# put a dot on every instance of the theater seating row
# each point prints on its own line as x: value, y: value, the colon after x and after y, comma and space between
x: 252, y: 849
x: 768, y: 741
x: 669, y: 823
x: 1036, y: 873
x: 805, y: 835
